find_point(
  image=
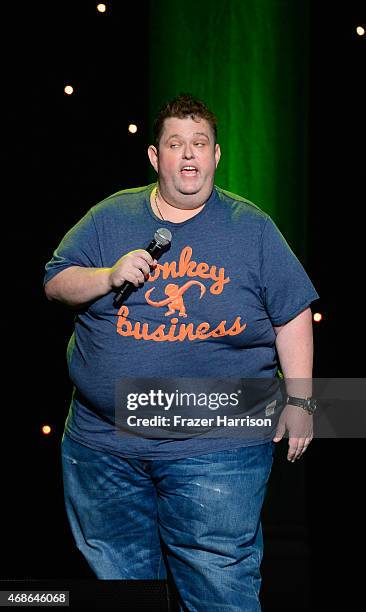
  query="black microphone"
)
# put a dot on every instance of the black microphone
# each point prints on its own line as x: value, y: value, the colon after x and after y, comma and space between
x: 162, y: 238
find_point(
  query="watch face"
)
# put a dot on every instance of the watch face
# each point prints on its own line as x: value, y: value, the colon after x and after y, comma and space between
x: 311, y: 404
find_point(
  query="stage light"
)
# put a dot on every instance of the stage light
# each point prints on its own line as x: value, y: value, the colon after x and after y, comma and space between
x: 360, y: 30
x: 132, y: 128
x: 317, y: 317
x: 46, y: 430
x: 68, y: 90
x: 101, y: 8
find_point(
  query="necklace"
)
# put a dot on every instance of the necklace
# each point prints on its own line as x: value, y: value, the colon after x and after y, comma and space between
x: 156, y: 204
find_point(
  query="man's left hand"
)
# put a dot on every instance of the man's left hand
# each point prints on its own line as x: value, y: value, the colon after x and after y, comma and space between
x: 299, y: 425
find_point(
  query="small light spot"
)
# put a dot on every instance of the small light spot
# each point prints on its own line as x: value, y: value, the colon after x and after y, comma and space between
x: 132, y: 128
x: 46, y: 430
x: 68, y: 90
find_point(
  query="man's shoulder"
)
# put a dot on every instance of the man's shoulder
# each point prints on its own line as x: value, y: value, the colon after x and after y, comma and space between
x: 239, y: 204
x: 125, y: 200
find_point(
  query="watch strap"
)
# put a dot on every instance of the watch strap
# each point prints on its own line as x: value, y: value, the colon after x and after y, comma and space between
x: 308, y: 404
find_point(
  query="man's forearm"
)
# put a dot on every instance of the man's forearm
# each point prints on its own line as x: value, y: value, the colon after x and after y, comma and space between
x: 294, y: 343
x: 76, y: 285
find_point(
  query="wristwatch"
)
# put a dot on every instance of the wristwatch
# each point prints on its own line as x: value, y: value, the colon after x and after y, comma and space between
x: 308, y: 404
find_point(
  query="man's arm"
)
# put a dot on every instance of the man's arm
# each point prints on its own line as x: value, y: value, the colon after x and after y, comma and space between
x: 294, y: 343
x: 76, y: 285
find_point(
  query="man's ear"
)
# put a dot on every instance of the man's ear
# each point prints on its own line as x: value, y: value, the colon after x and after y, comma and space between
x: 217, y: 154
x: 153, y: 157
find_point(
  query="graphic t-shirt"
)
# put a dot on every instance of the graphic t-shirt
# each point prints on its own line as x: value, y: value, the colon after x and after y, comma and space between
x: 207, y: 310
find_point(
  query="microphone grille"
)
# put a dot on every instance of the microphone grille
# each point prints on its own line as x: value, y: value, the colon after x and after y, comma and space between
x: 163, y: 236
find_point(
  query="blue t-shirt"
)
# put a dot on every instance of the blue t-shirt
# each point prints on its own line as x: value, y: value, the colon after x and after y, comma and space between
x: 239, y: 278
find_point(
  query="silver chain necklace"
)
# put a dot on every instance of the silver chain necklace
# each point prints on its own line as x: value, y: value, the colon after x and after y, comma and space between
x: 156, y: 204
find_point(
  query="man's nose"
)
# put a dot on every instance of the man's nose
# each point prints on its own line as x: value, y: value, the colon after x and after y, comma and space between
x: 188, y: 152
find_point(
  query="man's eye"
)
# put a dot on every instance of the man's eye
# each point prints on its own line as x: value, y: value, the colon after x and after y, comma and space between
x: 175, y: 144
x: 200, y: 144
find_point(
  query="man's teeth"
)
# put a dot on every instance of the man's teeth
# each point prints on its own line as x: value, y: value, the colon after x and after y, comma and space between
x: 189, y: 168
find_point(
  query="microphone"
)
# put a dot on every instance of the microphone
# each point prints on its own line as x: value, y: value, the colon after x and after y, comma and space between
x: 162, y: 238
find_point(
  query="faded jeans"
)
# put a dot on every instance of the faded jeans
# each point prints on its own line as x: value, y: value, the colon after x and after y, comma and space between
x: 195, y: 521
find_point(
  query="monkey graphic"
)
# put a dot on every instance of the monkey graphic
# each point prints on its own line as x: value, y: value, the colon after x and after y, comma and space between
x: 174, y: 301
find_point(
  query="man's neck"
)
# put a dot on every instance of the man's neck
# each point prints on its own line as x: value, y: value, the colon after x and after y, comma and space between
x: 167, y: 212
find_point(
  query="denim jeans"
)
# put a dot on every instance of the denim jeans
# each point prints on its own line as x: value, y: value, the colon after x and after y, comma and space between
x: 195, y: 521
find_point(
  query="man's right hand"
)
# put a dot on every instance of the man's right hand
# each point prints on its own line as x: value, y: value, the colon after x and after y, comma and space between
x: 133, y: 267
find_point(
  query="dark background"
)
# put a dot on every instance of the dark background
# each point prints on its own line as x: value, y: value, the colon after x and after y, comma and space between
x: 61, y: 156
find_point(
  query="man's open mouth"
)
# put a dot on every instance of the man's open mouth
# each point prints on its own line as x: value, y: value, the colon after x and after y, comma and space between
x: 189, y: 170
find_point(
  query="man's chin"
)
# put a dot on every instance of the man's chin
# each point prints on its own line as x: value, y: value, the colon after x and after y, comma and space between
x: 189, y: 189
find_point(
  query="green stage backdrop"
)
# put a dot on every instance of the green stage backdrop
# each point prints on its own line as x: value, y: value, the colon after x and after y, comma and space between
x: 248, y: 60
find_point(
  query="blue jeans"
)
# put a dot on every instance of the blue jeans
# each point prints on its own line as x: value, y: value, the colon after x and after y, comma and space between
x: 195, y: 521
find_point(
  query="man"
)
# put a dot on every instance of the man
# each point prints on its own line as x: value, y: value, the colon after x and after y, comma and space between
x: 186, y: 506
